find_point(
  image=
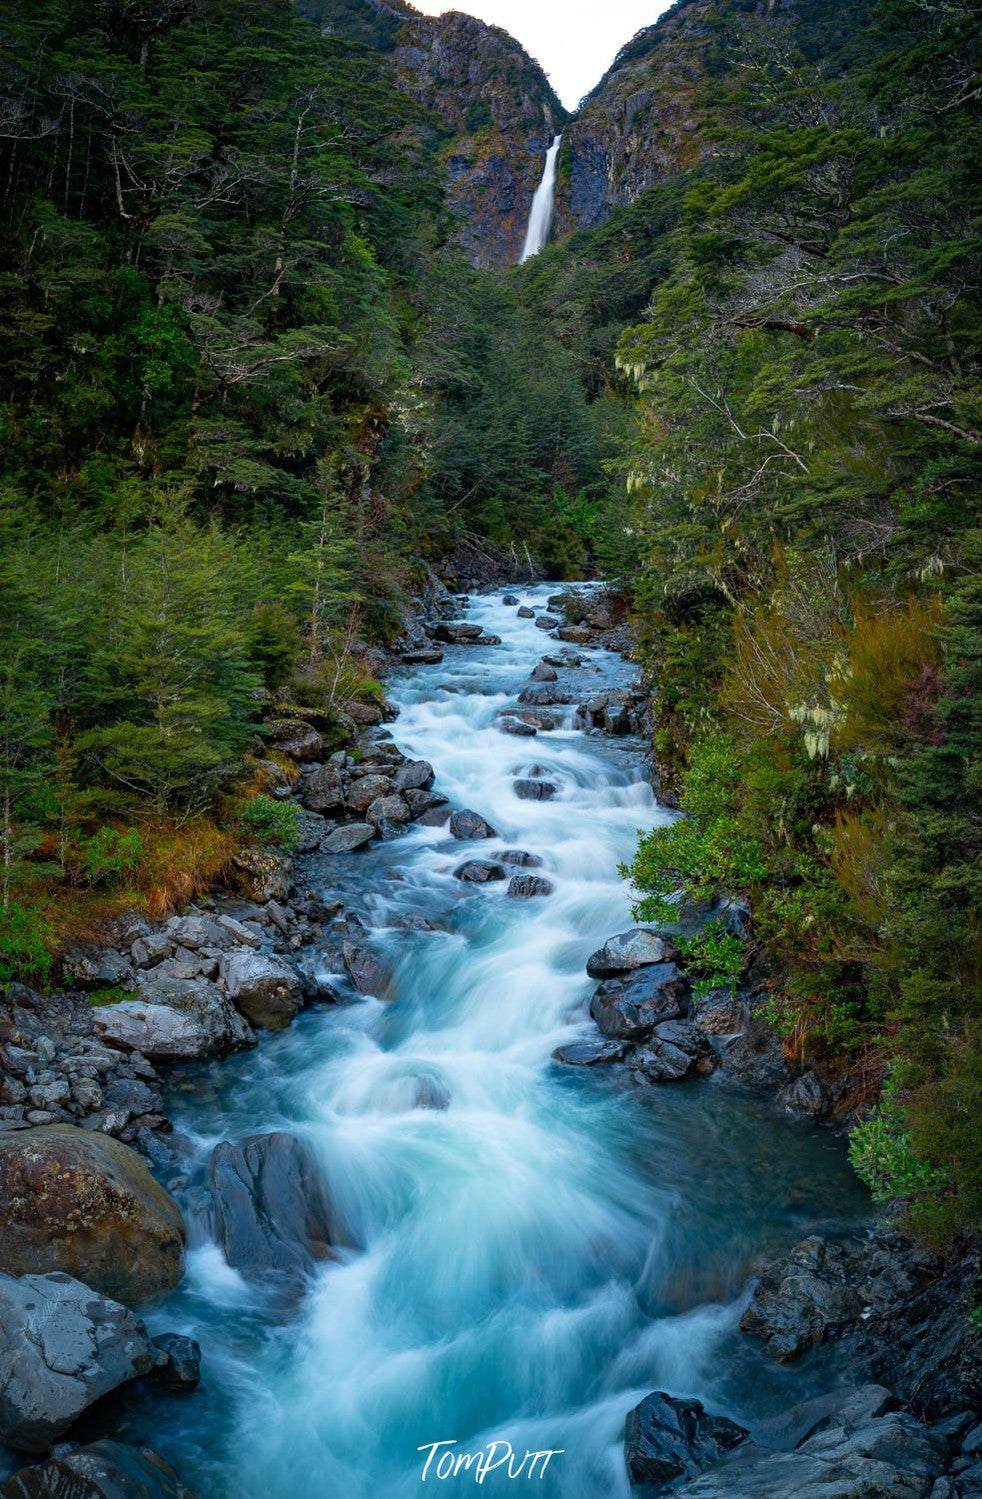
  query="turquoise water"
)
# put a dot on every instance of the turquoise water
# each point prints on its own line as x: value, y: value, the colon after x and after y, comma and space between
x: 528, y: 1262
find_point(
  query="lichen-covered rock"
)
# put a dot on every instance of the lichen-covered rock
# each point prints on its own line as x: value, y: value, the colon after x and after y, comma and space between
x: 82, y: 1203
x: 62, y: 1347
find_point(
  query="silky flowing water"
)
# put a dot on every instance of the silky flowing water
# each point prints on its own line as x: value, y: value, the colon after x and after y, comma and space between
x: 528, y: 1261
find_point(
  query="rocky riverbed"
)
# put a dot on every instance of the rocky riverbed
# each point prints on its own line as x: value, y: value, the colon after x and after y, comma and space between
x: 423, y: 1088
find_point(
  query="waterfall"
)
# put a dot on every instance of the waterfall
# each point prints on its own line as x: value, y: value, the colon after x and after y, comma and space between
x: 540, y: 216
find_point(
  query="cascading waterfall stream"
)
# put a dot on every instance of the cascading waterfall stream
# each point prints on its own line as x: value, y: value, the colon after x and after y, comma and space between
x: 530, y: 1249
x: 540, y: 215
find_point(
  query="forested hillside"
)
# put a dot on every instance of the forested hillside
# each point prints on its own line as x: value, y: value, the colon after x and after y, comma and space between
x: 250, y: 383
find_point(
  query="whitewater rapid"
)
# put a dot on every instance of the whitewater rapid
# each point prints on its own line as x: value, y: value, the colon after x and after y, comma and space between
x: 530, y: 1248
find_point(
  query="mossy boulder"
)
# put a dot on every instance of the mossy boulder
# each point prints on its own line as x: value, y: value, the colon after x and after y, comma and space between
x: 83, y: 1203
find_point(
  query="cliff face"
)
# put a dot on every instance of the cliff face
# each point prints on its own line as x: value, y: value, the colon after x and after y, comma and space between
x: 644, y: 123
x: 495, y: 103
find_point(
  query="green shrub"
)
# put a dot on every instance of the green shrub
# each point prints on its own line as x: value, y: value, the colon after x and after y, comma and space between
x: 268, y: 823
x: 883, y: 1156
x: 109, y: 855
x: 23, y: 945
x: 716, y: 958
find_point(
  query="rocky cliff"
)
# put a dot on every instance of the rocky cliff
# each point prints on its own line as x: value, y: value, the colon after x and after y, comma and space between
x: 496, y: 107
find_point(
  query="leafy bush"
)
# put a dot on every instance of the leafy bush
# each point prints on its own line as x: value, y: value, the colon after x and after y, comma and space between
x: 268, y: 823
x: 883, y: 1156
x: 716, y: 957
x: 109, y: 855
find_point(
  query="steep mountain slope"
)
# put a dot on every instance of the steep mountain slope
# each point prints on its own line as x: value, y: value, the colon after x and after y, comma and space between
x: 645, y: 122
x: 495, y: 104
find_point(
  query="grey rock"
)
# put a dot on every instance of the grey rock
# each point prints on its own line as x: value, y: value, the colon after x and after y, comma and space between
x: 366, y: 789
x: 366, y: 970
x: 387, y: 810
x: 324, y: 790
x: 591, y: 1053
x: 520, y: 857
x: 197, y: 931
x: 414, y: 775
x: 807, y: 1096
x: 528, y: 886
x: 547, y: 696
x: 531, y: 789
x: 422, y: 655
x: 135, y: 1096
x: 525, y: 612
x: 151, y: 948
x: 755, y: 1060
x: 721, y: 1013
x: 274, y: 1219
x: 666, y: 1438
x: 515, y: 727
x: 238, y: 931
x: 347, y: 839
x: 97, y: 969
x: 544, y: 673
x: 419, y: 802
x: 629, y: 950
x: 62, y: 1347
x: 850, y: 1406
x: 263, y: 989
x: 102, y: 1470
x: 675, y: 1049
x: 801, y: 1300
x: 479, y: 872
x: 180, y: 1369
x: 181, y: 1021
x: 547, y: 622
x: 628, y: 1009
x: 470, y: 826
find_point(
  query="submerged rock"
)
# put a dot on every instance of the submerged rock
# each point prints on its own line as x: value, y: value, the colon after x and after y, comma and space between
x: 666, y: 1438
x: 103, y: 1470
x: 62, y: 1348
x: 629, y: 950
x: 274, y: 1219
x: 520, y: 857
x: 80, y: 1202
x: 515, y: 726
x: 628, y: 1009
x: 470, y: 826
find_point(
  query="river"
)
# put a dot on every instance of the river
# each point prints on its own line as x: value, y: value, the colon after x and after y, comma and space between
x: 530, y: 1259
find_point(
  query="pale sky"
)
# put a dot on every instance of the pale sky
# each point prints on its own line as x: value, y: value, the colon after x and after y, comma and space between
x: 574, y: 40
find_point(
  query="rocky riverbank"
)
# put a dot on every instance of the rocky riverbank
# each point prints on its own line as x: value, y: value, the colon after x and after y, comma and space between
x: 90, y: 1168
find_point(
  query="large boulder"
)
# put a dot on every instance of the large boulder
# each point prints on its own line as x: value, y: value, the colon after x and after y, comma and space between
x: 62, y: 1347
x: 470, y: 826
x: 628, y: 1009
x: 855, y: 1450
x: 274, y: 1219
x: 263, y: 989
x: 366, y: 789
x: 629, y: 950
x: 81, y: 1202
x: 103, y: 1470
x: 804, y: 1299
x: 675, y: 1049
x: 174, y: 1020
x: 667, y: 1438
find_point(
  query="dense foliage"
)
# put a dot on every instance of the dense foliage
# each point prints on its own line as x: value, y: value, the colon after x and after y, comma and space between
x: 805, y: 478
